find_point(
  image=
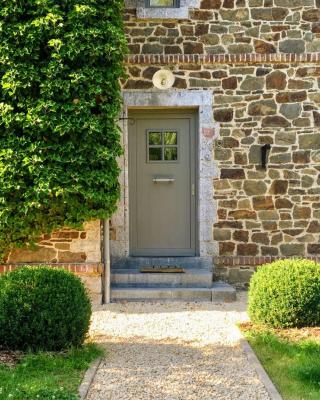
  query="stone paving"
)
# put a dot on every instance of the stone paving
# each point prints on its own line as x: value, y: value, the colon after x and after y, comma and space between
x: 173, y: 351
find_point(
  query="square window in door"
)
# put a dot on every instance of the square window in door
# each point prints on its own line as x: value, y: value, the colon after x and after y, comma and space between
x: 162, y: 146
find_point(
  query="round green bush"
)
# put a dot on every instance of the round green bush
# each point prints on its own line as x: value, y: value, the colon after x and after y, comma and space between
x: 42, y: 308
x: 286, y: 294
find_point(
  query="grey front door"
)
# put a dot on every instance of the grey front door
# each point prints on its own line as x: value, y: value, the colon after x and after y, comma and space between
x: 162, y: 187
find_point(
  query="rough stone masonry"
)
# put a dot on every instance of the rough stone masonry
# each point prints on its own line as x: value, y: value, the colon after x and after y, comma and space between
x: 261, y: 59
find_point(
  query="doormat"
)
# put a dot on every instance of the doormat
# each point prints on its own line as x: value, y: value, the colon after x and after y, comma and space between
x: 162, y: 268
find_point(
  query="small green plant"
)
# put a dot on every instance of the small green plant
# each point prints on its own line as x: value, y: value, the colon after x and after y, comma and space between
x: 42, y: 308
x: 286, y: 294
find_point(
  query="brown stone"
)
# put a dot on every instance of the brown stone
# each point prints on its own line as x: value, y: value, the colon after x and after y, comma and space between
x: 172, y: 50
x: 228, y: 224
x: 282, y: 203
x: 241, y: 236
x: 301, y: 157
x: 230, y: 142
x: 139, y: 84
x: 65, y: 235
x: 226, y: 248
x: 219, y: 74
x: 201, y: 15
x: 193, y: 48
x: 260, y: 237
x: 262, y: 47
x: 314, y: 248
x: 134, y: 71
x: 308, y: 71
x: 235, y: 173
x: 301, y: 212
x: 149, y: 72
x: 230, y: 83
x: 242, y: 214
x: 311, y: 15
x: 247, y: 249
x: 314, y: 227
x: 210, y: 4
x: 201, y: 29
x: 262, y: 107
x: 276, y: 80
x: 279, y: 187
x: 223, y: 115
x: 253, y: 188
x: 187, y: 30
x: 293, y: 232
x: 70, y: 257
x: 240, y: 158
x: 277, y: 238
x: 275, y: 121
x: 291, y: 97
x: 62, y: 246
x: 263, y: 203
x: 316, y: 27
x: 299, y: 84
x: 269, y: 14
x: 228, y: 4
x: 39, y: 255
x: 180, y: 83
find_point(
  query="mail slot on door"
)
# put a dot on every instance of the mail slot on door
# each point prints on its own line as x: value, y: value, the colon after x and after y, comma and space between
x: 162, y: 179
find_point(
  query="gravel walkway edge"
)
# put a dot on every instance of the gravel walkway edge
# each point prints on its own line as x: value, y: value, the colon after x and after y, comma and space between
x: 88, y: 378
x: 261, y: 372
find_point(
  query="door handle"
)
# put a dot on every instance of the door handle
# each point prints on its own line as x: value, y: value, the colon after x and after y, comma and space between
x: 163, y: 180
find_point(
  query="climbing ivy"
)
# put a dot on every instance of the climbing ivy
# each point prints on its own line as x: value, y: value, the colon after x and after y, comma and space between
x: 60, y: 65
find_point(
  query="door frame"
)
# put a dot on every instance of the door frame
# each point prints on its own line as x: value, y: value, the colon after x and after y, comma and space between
x: 155, y: 113
x: 208, y: 170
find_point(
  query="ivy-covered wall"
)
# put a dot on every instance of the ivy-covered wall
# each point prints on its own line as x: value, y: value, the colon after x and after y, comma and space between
x: 60, y: 64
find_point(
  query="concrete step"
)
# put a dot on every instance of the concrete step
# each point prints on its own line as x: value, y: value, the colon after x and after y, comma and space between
x: 133, y: 278
x: 219, y: 292
x: 184, y: 262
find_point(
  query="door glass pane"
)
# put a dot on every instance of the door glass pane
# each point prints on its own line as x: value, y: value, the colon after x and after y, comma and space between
x: 154, y: 138
x: 171, y: 153
x: 155, y: 153
x: 170, y: 138
x: 161, y: 3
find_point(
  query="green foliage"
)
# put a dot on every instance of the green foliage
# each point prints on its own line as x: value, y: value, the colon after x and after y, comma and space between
x: 286, y: 294
x: 44, y: 375
x: 60, y: 64
x: 292, y: 364
x: 42, y: 309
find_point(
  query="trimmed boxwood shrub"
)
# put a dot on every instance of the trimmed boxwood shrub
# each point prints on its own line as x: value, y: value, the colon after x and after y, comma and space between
x: 42, y: 308
x: 286, y: 294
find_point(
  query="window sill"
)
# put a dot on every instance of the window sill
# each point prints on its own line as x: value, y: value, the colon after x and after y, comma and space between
x: 144, y: 12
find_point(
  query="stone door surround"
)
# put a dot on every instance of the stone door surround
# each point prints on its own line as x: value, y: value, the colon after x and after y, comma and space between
x: 200, y: 100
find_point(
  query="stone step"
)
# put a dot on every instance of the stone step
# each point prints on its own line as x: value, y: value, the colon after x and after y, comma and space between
x: 219, y: 292
x: 134, y: 278
x: 184, y: 262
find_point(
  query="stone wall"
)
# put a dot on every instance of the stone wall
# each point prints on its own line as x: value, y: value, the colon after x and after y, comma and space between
x: 231, y: 26
x: 65, y: 246
x: 253, y: 56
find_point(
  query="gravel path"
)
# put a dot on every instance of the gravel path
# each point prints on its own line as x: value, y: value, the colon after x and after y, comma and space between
x: 173, y: 351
